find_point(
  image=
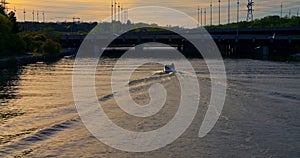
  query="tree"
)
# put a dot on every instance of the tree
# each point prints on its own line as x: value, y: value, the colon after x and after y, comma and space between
x: 13, y: 19
x: 10, y: 42
x: 41, y: 42
x: 2, y: 11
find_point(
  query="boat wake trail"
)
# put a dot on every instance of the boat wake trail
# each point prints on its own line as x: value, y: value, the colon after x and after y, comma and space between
x: 139, y: 85
x: 29, y: 142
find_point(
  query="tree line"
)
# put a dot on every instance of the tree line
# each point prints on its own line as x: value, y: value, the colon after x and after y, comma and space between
x: 266, y: 22
x: 14, y: 42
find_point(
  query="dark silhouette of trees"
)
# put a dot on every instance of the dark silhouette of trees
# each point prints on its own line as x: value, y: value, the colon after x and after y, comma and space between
x: 12, y: 18
x: 266, y: 22
x: 13, y: 42
x: 10, y: 42
x: 42, y: 42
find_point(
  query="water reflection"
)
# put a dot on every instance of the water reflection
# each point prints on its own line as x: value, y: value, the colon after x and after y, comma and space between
x: 9, y: 81
x: 260, y: 116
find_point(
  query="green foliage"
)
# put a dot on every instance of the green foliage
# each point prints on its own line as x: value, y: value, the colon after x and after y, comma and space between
x: 266, y: 22
x: 2, y: 11
x: 51, y: 47
x: 41, y: 42
x: 10, y: 42
x: 52, y: 34
x: 5, y: 25
x: 12, y: 18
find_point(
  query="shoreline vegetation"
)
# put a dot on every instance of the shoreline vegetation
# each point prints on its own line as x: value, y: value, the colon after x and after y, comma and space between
x: 15, y: 61
x: 16, y: 43
x: 106, y: 27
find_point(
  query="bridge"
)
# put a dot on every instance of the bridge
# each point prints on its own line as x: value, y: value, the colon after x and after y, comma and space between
x: 231, y: 42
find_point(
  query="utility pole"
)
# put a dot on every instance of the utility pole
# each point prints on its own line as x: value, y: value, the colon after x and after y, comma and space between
x: 228, y: 13
x: 211, y: 18
x: 24, y: 12
x: 290, y: 13
x: 281, y: 10
x: 280, y: 14
x: 201, y: 17
x: 76, y: 20
x: 219, y: 12
x: 237, y: 11
x: 250, y: 10
x: 198, y: 17
x: 43, y: 17
x: 37, y: 15
x: 119, y: 12
x: 32, y: 15
x: 237, y: 17
x: 126, y: 15
x: 122, y: 15
x: 112, y: 11
x: 3, y: 4
x: 204, y: 16
x: 115, y: 11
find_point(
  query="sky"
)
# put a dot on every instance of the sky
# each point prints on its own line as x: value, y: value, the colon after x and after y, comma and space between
x: 98, y: 10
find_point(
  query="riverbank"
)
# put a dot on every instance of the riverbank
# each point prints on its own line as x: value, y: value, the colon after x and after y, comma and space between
x: 16, y: 61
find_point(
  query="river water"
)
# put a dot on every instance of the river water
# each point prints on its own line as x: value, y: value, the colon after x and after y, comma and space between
x: 261, y: 115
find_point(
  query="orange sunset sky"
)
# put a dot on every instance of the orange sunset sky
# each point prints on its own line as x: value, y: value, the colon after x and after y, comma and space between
x: 98, y: 10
